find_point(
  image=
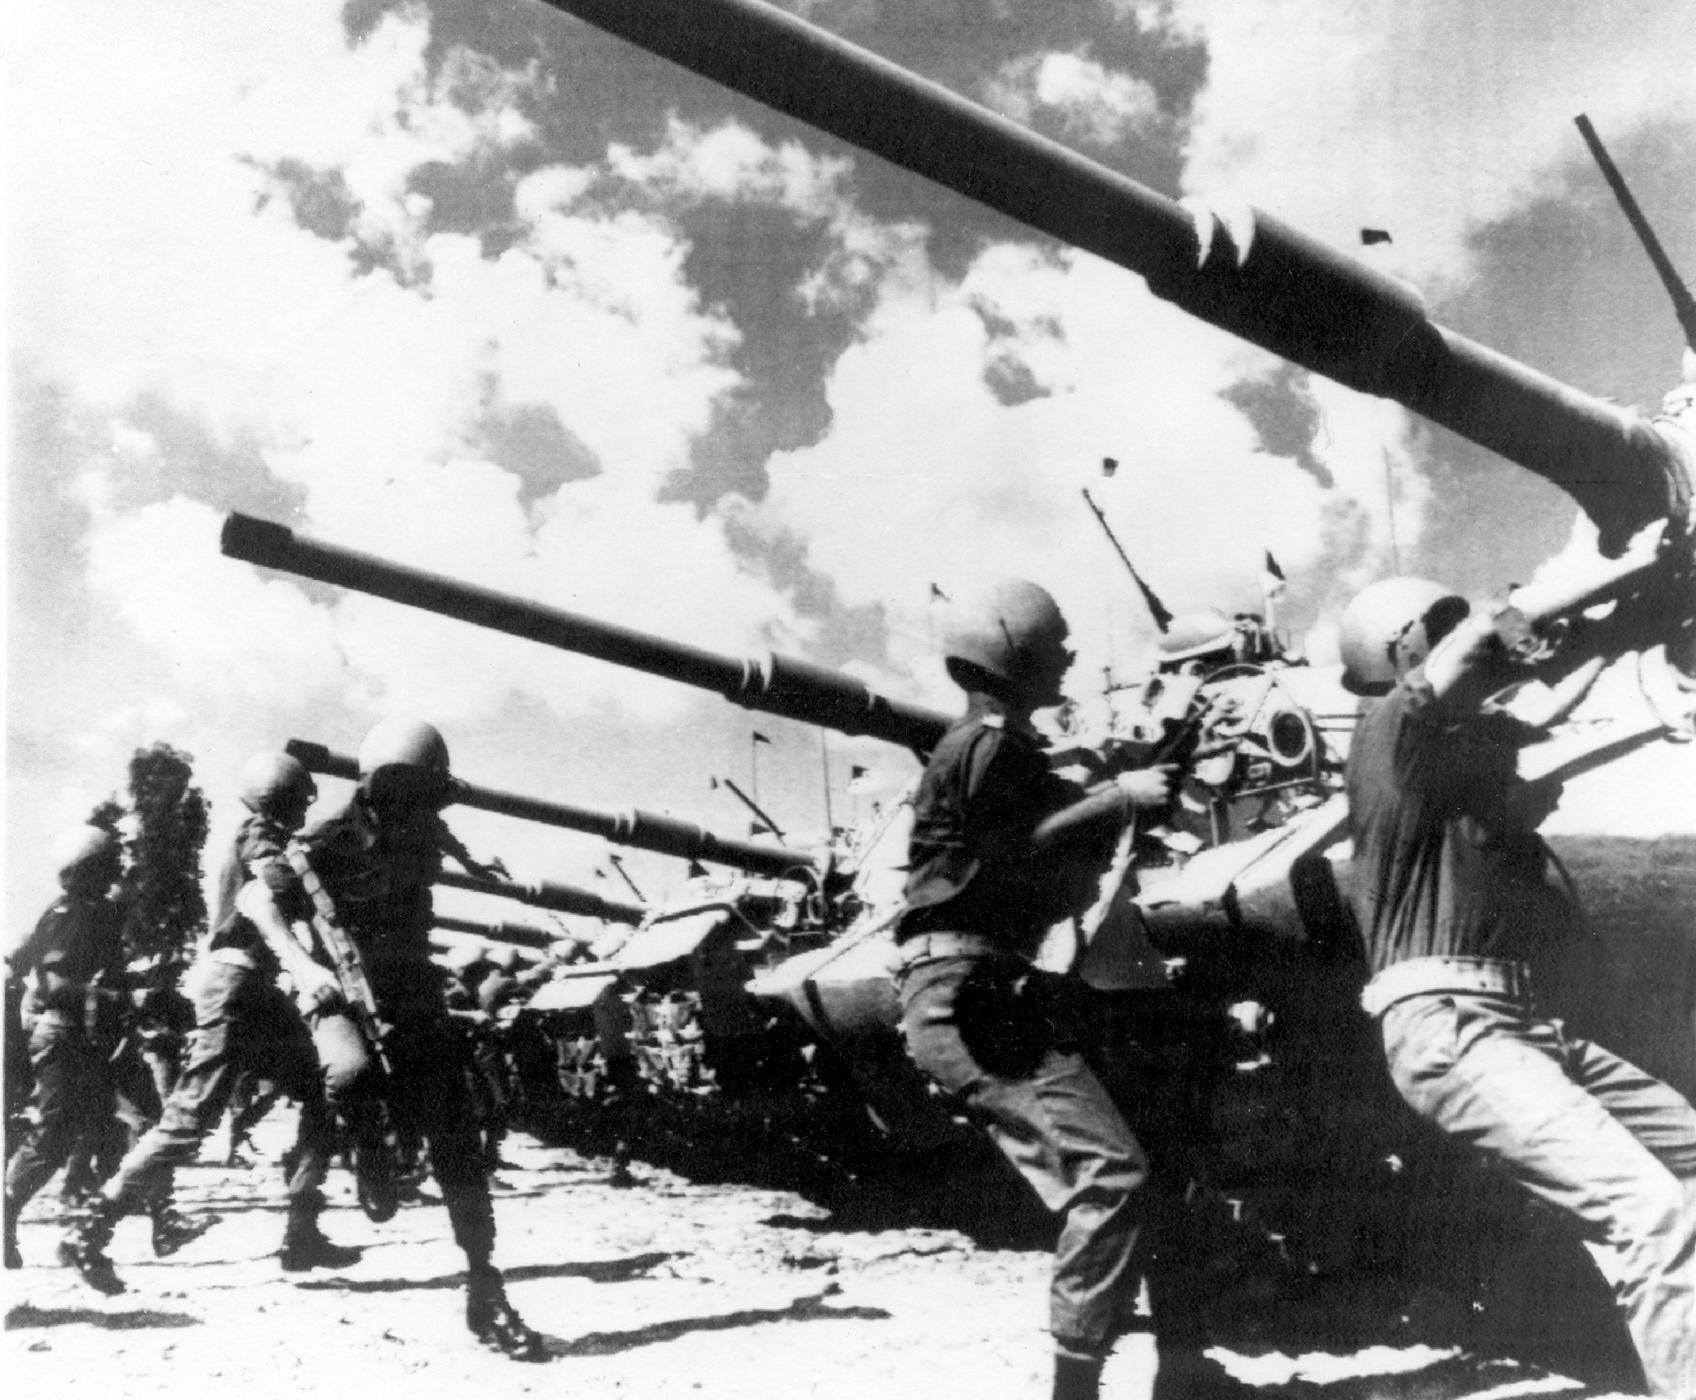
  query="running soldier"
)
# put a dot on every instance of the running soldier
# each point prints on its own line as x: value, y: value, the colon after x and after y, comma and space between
x: 245, y: 1026
x: 76, y: 1008
x: 366, y: 872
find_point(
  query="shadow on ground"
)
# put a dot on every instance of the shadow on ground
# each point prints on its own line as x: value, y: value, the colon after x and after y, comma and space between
x: 26, y: 1315
x: 812, y: 1308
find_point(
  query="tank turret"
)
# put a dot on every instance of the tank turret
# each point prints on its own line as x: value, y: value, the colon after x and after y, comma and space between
x: 646, y: 831
x: 773, y: 684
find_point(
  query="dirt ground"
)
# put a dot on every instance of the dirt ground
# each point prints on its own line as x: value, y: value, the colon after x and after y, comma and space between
x: 666, y: 1288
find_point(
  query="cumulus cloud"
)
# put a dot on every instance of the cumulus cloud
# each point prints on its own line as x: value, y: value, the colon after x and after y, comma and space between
x: 229, y: 634
x: 228, y: 213
x: 932, y: 476
x: 1094, y: 103
x: 1414, y: 117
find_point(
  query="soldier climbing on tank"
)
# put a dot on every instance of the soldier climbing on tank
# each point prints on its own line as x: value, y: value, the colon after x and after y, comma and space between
x: 245, y: 1026
x: 366, y: 872
x: 1457, y: 897
x: 998, y: 849
x: 76, y: 1006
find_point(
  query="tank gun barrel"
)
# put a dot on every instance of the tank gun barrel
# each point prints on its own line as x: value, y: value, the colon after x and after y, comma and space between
x: 530, y: 936
x: 547, y: 894
x: 646, y: 831
x: 778, y: 685
x: 1248, y: 274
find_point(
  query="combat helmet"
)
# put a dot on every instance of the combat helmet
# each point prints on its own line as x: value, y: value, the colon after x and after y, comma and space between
x: 403, y: 766
x: 1012, y: 632
x: 86, y: 860
x: 276, y: 785
x: 1390, y: 628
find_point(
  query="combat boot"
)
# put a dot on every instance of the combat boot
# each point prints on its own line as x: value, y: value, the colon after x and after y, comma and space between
x: 172, y: 1229
x: 84, y: 1248
x: 374, y: 1180
x: 305, y: 1246
x: 495, y: 1322
x: 1076, y: 1377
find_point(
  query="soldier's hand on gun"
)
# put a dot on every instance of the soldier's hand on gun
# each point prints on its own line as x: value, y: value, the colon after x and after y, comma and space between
x: 1149, y: 788
x: 315, y: 988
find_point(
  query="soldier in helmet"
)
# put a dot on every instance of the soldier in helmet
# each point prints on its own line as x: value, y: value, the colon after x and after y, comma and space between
x: 1456, y: 897
x: 245, y: 1026
x: 366, y: 873
x: 997, y: 848
x: 76, y: 1006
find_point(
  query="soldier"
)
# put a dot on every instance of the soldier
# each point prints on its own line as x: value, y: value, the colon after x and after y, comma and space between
x: 1456, y: 897
x: 367, y: 871
x: 997, y: 850
x: 76, y: 1007
x: 244, y: 1025
x: 471, y: 970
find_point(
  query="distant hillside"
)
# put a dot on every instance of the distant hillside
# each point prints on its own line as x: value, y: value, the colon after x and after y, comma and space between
x: 1641, y: 974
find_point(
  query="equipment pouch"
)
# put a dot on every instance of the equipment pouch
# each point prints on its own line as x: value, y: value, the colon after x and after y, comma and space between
x: 1005, y: 1014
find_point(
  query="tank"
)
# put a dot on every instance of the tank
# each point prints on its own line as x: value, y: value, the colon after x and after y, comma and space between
x: 647, y: 831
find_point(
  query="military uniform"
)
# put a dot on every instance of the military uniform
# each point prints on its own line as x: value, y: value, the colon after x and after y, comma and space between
x: 245, y: 1027
x: 991, y: 1030
x: 377, y: 880
x: 75, y: 1010
x: 1456, y: 897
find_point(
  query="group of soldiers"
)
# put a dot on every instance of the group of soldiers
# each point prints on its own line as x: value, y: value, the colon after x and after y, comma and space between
x: 1453, y: 892
x: 1455, y: 896
x: 363, y: 1040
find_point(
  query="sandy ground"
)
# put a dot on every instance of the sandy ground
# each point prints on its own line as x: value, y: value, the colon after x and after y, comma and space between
x: 664, y: 1289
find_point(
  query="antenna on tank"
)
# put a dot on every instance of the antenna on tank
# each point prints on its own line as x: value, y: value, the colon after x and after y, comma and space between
x: 1157, y: 609
x: 1683, y: 304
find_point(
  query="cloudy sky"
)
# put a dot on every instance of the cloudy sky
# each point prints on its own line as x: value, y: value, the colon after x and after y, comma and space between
x: 472, y: 286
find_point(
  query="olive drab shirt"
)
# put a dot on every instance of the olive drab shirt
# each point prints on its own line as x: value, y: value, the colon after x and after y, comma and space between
x: 972, y: 867
x: 379, y: 879
x: 258, y: 852
x: 80, y: 942
x: 1444, y: 865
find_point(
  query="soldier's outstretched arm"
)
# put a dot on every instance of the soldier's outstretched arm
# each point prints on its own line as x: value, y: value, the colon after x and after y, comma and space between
x: 1116, y: 804
x: 1470, y: 665
x: 456, y: 850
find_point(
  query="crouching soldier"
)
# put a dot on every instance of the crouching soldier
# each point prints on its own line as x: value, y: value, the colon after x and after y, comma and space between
x: 997, y: 846
x: 366, y: 872
x: 245, y: 1026
x: 76, y: 1007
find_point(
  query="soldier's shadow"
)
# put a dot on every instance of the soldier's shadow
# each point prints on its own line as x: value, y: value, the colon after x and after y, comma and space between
x: 812, y: 1308
x: 596, y: 1271
x: 134, y: 1319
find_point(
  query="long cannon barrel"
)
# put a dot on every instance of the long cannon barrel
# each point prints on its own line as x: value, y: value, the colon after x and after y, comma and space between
x: 1244, y: 272
x: 546, y: 894
x: 500, y: 931
x: 647, y: 831
x: 778, y: 685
